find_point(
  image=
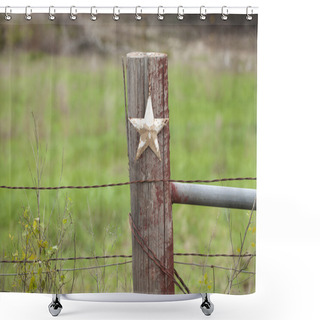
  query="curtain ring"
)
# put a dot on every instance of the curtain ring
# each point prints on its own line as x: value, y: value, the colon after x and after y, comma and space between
x: 203, y: 13
x: 249, y: 15
x: 116, y: 15
x: 73, y: 13
x: 52, y: 11
x: 7, y: 11
x: 138, y: 15
x: 160, y: 15
x: 180, y: 13
x: 93, y: 15
x: 28, y: 13
x: 224, y: 13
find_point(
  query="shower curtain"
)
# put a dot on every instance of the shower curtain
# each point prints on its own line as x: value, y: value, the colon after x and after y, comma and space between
x: 74, y: 218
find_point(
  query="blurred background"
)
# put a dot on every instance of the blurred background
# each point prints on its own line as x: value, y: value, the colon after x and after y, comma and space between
x: 62, y: 122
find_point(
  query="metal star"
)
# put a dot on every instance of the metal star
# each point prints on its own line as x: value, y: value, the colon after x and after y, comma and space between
x: 148, y: 128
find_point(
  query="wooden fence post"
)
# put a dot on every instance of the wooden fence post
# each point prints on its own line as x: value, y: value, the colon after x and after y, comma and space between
x: 151, y: 207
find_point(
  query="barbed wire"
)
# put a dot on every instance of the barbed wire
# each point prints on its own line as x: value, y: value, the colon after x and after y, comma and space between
x: 67, y: 259
x: 216, y: 255
x: 70, y: 269
x: 212, y: 266
x: 125, y: 183
x: 130, y: 256
x: 183, y: 287
x: 127, y: 262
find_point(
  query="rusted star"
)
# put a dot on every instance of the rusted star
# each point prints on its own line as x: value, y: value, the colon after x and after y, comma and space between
x: 148, y: 128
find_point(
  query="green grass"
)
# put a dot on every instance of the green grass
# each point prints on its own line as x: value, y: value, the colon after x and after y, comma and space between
x: 79, y: 110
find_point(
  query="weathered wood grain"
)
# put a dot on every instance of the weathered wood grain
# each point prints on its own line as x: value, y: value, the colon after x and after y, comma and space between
x: 151, y: 208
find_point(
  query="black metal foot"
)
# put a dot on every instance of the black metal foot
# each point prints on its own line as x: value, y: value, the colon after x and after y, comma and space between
x: 55, y: 306
x: 206, y: 305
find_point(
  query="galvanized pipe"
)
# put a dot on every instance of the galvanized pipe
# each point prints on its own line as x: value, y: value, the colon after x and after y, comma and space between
x: 214, y: 196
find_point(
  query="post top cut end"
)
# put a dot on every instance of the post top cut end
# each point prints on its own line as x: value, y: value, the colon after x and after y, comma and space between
x: 146, y: 54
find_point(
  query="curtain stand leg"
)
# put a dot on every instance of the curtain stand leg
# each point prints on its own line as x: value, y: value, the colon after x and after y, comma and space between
x: 55, y: 306
x: 206, y: 305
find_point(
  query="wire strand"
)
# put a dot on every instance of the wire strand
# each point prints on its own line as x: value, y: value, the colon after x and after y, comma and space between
x: 124, y: 184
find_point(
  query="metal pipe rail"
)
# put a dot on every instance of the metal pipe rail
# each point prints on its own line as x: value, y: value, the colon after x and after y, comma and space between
x: 214, y: 196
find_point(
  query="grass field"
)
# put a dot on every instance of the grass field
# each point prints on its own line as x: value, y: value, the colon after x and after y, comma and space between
x: 77, y: 104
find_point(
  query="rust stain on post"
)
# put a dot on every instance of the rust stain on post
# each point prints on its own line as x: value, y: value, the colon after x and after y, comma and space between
x: 151, y: 207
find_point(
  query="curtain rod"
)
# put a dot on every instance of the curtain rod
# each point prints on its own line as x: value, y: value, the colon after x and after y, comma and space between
x: 118, y: 10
